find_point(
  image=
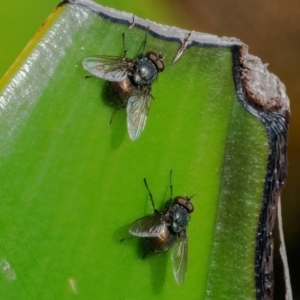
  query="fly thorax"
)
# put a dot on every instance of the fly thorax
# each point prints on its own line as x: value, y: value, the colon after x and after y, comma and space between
x: 145, y: 72
x: 180, y: 218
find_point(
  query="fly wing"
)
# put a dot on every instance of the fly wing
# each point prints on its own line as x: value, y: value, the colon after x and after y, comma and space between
x: 148, y: 226
x: 137, y: 111
x: 179, y: 257
x: 111, y: 68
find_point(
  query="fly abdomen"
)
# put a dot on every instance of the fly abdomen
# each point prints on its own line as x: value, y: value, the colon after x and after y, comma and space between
x: 163, y: 242
x: 120, y: 92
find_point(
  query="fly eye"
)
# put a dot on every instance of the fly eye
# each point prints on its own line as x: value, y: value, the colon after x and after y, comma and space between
x: 189, y: 206
x: 152, y: 56
x: 160, y: 65
x: 157, y: 60
x: 184, y: 201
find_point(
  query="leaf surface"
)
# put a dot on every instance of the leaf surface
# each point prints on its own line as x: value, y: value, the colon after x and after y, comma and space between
x: 71, y: 181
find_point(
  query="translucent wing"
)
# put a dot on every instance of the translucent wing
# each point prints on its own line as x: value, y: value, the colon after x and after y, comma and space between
x: 111, y: 68
x: 148, y: 226
x: 137, y: 111
x: 179, y: 257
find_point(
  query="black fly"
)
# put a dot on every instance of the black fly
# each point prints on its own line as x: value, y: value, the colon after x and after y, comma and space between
x: 167, y: 229
x: 131, y: 81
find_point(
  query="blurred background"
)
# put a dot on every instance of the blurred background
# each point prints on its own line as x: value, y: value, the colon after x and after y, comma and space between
x: 271, y: 29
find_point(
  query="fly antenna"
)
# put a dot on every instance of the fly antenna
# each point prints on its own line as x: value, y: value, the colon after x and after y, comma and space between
x: 151, y: 197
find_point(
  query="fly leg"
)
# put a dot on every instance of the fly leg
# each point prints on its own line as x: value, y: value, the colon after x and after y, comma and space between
x: 90, y: 76
x: 146, y: 254
x: 113, y: 115
x: 145, y: 41
x: 171, y: 185
x: 152, y: 201
x: 124, y: 46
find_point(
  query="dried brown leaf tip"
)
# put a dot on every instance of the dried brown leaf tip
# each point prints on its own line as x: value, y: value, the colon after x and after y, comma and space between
x: 263, y: 89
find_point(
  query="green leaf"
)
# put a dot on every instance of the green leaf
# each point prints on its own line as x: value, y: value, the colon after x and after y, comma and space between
x: 71, y: 183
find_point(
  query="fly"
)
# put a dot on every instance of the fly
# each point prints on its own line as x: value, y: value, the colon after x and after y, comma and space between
x: 131, y: 82
x: 167, y: 230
